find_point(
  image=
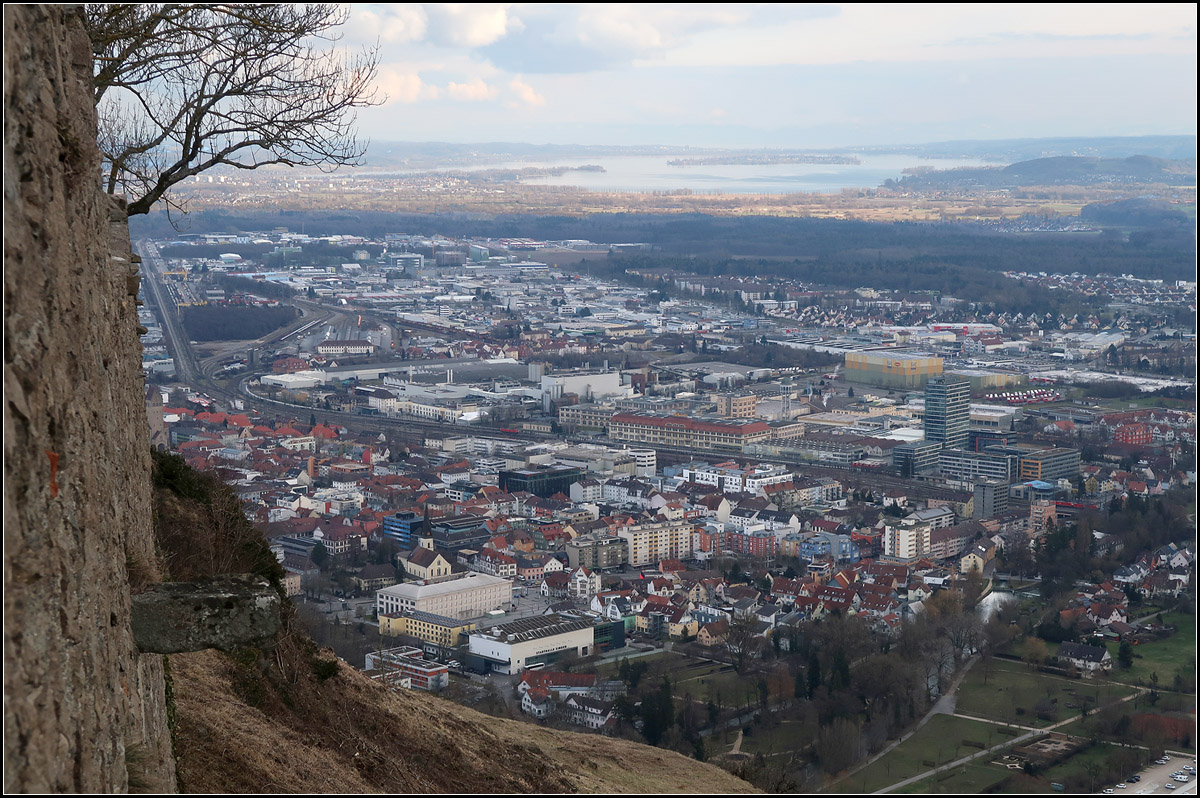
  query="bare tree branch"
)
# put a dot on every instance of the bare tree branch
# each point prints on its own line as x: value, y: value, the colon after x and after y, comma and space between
x: 180, y: 89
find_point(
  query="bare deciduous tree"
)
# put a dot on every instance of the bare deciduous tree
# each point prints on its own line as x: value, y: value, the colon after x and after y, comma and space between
x: 180, y: 89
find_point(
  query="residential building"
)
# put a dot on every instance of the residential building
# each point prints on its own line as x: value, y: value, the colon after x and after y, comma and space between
x: 991, y: 498
x: 597, y: 551
x: 1088, y: 659
x: 651, y: 542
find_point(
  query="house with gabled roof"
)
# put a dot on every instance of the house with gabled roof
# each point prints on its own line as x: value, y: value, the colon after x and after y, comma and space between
x: 1088, y: 659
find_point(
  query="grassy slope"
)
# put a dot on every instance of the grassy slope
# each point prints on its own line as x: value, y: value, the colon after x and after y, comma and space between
x: 348, y: 734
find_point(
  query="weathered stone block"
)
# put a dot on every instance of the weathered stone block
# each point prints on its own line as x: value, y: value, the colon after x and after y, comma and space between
x: 228, y: 612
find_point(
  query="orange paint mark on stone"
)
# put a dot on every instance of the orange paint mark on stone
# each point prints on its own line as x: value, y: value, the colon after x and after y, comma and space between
x: 53, y: 474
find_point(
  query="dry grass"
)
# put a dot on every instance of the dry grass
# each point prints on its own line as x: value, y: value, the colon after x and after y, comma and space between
x: 349, y: 734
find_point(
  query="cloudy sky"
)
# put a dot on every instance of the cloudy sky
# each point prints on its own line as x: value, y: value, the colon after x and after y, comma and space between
x: 777, y: 75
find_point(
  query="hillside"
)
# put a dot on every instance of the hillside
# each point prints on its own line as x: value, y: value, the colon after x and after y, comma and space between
x: 1058, y: 171
x: 349, y: 734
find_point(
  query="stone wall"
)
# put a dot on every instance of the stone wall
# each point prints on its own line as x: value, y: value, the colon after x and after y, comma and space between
x: 84, y: 711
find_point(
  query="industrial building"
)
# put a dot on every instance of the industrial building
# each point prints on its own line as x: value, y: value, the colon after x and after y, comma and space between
x: 892, y: 369
x: 539, y: 640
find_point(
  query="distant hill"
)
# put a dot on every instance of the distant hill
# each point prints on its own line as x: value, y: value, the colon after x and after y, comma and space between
x: 1136, y: 212
x: 1057, y: 171
x: 1013, y: 150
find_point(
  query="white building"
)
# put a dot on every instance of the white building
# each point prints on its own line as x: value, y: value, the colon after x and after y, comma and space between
x: 470, y: 596
x: 512, y: 647
x: 732, y: 479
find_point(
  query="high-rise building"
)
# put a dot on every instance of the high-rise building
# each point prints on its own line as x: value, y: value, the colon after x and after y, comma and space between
x: 991, y: 498
x: 948, y: 411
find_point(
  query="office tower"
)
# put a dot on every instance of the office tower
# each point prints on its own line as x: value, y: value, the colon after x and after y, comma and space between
x: 948, y: 411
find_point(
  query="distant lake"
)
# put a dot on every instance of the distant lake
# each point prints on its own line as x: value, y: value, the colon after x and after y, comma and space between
x: 651, y: 173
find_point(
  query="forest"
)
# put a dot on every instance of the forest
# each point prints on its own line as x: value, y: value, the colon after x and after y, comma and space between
x: 836, y: 252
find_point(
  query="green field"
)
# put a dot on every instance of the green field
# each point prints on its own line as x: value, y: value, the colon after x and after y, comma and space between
x: 939, y: 741
x: 970, y: 779
x: 1164, y: 657
x: 787, y: 736
x: 1012, y: 687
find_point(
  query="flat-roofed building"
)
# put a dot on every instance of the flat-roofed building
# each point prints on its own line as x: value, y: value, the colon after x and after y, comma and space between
x: 906, y: 541
x: 948, y: 411
x: 597, y: 551
x: 539, y: 640
x: 586, y: 416
x: 736, y: 405
x: 892, y: 369
x: 650, y: 543
x: 971, y: 466
x: 916, y: 457
x: 469, y: 596
x: 707, y: 433
x: 1050, y: 464
x: 404, y: 663
x: 544, y: 481
x: 991, y: 498
x: 428, y: 628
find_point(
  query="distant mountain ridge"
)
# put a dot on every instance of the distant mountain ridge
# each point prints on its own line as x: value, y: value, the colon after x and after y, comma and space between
x: 1057, y: 171
x: 440, y: 154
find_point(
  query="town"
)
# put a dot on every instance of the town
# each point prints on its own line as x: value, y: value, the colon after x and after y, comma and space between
x: 680, y: 507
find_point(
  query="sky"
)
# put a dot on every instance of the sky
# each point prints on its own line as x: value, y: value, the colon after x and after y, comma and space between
x: 776, y: 75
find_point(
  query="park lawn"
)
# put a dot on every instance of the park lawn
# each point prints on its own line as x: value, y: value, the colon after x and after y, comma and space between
x: 731, y: 689
x: 939, y: 741
x: 972, y: 778
x: 1164, y: 657
x: 1012, y: 686
x: 787, y: 736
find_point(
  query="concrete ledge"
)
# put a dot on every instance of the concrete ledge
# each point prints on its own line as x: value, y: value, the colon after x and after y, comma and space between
x: 227, y: 612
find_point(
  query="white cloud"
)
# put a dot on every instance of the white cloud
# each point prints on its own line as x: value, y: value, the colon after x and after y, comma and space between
x: 471, y: 91
x: 399, y: 23
x: 467, y: 24
x: 402, y: 84
x: 526, y: 93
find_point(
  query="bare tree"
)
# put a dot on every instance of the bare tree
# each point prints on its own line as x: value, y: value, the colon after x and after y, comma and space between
x: 180, y: 89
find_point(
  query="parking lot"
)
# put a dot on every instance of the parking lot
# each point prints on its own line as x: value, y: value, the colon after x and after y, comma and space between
x: 1156, y: 777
